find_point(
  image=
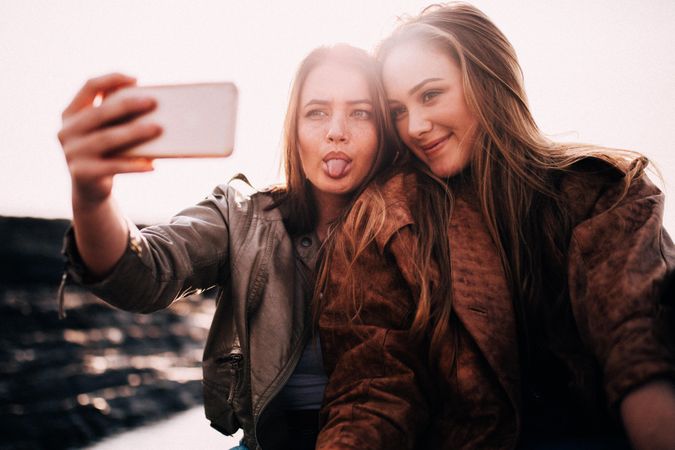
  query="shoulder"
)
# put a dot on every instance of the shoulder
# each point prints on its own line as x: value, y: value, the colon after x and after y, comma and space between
x: 616, y: 212
x: 593, y: 186
x: 399, y: 188
x: 241, y: 199
x: 384, y: 208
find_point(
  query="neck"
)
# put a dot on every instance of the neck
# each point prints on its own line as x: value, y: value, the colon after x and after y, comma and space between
x: 329, y: 207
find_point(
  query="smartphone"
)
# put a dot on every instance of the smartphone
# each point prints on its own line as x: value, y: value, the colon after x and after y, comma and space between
x: 197, y: 120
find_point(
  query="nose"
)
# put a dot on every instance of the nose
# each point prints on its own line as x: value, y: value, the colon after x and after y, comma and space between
x: 418, y: 124
x: 337, y: 130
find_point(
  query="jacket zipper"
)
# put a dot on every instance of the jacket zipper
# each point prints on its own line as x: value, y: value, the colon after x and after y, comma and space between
x: 62, y: 292
x: 287, y: 372
x: 258, y: 265
x: 234, y: 360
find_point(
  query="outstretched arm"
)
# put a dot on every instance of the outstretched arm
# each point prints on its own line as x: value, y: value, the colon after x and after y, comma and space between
x: 92, y: 138
x: 620, y: 261
x: 137, y: 271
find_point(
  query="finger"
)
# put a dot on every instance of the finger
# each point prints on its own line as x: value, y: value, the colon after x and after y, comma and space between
x: 112, y: 139
x: 115, y: 110
x: 95, y: 169
x: 94, y: 87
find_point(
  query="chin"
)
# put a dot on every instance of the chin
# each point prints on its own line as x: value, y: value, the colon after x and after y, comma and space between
x: 335, y: 188
x: 447, y: 169
x: 444, y: 172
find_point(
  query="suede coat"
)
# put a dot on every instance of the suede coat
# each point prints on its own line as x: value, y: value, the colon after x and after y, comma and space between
x: 383, y: 390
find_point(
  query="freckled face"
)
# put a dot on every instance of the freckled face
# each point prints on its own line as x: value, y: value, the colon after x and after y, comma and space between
x: 336, y: 129
x: 426, y: 97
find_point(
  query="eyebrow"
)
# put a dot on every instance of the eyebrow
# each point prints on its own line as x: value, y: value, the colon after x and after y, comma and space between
x: 315, y: 101
x: 422, y: 83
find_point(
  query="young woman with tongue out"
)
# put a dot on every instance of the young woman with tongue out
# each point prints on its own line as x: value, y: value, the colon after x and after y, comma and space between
x: 262, y: 364
x: 535, y: 276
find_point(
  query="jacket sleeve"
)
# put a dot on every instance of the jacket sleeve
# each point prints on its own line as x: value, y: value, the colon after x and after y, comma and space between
x: 375, y: 397
x: 620, y: 262
x: 163, y: 262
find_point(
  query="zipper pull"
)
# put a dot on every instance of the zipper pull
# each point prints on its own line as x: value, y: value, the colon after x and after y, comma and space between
x: 61, y: 295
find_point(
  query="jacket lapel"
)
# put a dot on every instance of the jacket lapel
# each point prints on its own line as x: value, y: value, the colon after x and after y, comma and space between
x: 481, y: 297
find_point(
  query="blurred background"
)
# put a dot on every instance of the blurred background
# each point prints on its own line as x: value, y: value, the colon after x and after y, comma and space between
x: 596, y: 71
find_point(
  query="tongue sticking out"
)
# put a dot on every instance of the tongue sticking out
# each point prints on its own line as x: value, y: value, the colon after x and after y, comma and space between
x: 336, y: 167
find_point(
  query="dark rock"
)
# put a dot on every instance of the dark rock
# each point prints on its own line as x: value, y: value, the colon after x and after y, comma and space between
x: 67, y: 383
x: 31, y: 250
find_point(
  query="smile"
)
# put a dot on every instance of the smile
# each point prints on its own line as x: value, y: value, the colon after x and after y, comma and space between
x: 435, y: 145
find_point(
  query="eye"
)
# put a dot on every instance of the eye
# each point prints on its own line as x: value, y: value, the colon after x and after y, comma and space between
x: 361, y: 114
x: 316, y: 114
x: 427, y: 96
x: 397, y: 112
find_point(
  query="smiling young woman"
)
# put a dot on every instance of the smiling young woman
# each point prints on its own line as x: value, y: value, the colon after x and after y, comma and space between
x: 500, y: 290
x: 426, y: 97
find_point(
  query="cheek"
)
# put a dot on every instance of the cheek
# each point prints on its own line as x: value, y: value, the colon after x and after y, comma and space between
x: 371, y: 146
x: 364, y: 136
x: 309, y: 143
x: 365, y: 149
x: 468, y: 119
x: 307, y: 152
x: 304, y: 165
x: 470, y: 131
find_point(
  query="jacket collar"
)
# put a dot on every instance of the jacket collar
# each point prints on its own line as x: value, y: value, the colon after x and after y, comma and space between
x: 397, y: 193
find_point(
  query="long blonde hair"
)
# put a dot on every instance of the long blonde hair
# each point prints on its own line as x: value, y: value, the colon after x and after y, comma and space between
x: 514, y: 172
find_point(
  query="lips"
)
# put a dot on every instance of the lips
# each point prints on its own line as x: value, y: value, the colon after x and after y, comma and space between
x: 336, y: 164
x: 434, y: 145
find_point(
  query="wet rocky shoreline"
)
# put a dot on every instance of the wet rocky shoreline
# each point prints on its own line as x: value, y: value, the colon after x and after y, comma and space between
x: 68, y: 383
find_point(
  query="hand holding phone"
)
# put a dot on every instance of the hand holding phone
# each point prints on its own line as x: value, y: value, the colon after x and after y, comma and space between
x: 197, y: 120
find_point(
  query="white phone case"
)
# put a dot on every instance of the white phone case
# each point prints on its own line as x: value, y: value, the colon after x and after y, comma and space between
x: 197, y: 120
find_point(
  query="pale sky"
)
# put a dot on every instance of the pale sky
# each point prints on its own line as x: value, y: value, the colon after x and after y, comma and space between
x: 598, y: 71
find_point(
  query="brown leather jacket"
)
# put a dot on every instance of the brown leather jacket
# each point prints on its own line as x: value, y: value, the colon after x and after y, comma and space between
x: 260, y: 326
x: 383, y: 393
